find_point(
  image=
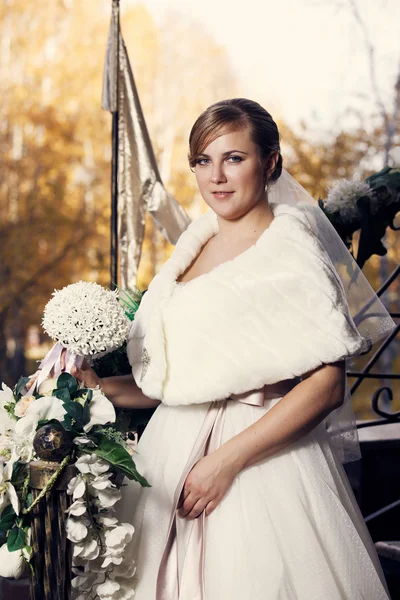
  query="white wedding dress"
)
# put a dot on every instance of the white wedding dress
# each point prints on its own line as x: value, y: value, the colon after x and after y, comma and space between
x: 289, y: 528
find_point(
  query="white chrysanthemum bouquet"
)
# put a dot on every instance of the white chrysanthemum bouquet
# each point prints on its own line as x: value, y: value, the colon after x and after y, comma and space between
x: 86, y: 321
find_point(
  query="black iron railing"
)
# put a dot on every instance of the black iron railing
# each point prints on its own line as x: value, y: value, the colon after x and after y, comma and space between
x: 385, y: 391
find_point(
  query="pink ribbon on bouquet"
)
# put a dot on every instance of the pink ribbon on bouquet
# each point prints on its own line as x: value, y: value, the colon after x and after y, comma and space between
x: 51, y: 364
x: 190, y: 585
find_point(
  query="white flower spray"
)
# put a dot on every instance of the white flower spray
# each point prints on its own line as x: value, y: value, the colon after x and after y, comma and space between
x: 102, y: 562
x: 87, y: 319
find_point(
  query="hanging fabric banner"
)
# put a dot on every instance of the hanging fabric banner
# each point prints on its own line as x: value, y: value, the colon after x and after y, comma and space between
x: 139, y: 184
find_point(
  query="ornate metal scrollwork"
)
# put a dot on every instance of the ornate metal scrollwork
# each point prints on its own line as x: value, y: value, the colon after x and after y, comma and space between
x: 379, y: 411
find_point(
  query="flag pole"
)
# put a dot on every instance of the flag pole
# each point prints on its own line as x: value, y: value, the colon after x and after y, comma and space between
x: 114, y: 171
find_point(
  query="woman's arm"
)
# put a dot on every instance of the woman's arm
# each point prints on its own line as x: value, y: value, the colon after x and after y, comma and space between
x: 299, y: 411
x: 124, y: 393
x: 296, y: 414
x: 122, y: 390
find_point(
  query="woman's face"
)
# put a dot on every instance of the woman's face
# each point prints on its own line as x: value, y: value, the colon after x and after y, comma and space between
x: 230, y: 174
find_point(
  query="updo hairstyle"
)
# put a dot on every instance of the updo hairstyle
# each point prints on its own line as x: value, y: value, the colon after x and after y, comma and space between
x: 233, y: 115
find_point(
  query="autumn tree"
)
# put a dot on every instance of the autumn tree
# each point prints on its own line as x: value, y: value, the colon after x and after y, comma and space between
x: 55, y: 144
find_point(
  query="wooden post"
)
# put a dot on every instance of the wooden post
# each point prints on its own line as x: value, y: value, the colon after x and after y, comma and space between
x: 52, y: 557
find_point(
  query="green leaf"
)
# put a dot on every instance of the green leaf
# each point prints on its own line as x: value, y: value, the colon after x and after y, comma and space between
x: 69, y: 424
x: 3, y: 538
x: 22, y: 381
x: 19, y: 473
x: 118, y: 457
x: 16, y: 539
x: 74, y: 410
x: 63, y: 394
x: 29, y: 500
x: 7, y: 518
x: 67, y: 381
x: 85, y: 414
x: 138, y: 477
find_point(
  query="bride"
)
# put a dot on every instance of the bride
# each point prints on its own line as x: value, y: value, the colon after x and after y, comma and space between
x: 241, y: 343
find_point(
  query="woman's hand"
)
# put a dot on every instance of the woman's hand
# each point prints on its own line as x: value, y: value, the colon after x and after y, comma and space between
x: 86, y: 375
x: 206, y: 485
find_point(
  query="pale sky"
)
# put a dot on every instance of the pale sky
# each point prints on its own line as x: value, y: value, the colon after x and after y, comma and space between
x: 301, y: 59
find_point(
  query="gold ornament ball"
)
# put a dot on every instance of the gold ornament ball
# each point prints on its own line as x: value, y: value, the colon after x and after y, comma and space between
x: 52, y: 442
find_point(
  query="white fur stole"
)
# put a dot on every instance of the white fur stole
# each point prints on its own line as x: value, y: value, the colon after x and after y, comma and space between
x: 276, y: 311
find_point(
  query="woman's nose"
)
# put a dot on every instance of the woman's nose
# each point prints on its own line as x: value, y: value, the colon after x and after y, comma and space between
x: 217, y: 175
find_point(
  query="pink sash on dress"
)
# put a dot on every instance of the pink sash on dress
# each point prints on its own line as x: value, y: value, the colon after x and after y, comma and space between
x: 190, y: 586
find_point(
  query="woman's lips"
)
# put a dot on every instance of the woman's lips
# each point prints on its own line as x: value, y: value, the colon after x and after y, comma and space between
x: 221, y: 195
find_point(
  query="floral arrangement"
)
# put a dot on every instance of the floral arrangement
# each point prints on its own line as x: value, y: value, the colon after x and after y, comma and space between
x: 370, y: 206
x: 96, y: 325
x: 86, y: 321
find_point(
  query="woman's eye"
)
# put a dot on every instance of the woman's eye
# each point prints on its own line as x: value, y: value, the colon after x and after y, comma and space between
x: 202, y: 161
x: 235, y: 159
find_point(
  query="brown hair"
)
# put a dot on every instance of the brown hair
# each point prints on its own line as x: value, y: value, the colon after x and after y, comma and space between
x: 233, y: 115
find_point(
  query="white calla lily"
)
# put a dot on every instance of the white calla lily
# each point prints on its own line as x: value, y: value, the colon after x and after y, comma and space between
x: 6, y: 395
x: 39, y: 410
x: 6, y: 423
x: 8, y: 495
x: 6, y: 398
x: 12, y: 564
x: 101, y: 411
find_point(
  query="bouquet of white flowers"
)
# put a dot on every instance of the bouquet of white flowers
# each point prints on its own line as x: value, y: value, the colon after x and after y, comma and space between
x: 86, y: 321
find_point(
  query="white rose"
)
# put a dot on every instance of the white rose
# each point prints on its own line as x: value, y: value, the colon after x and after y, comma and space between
x: 22, y: 406
x: 43, y: 408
